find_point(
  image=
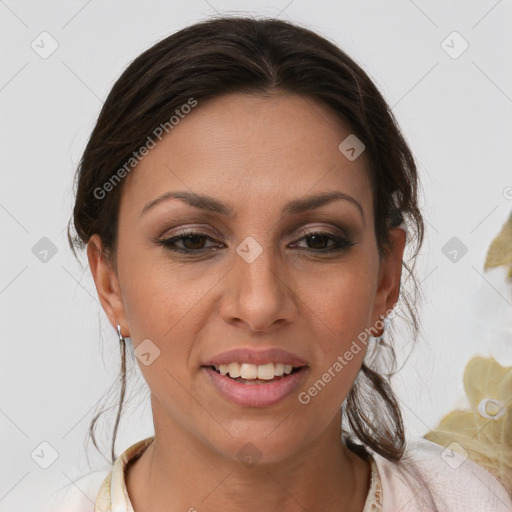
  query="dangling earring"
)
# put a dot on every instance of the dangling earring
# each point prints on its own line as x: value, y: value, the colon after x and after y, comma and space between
x: 125, y: 341
x: 121, y: 337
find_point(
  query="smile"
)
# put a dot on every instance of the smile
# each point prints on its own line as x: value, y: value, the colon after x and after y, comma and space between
x: 248, y: 371
x: 242, y: 384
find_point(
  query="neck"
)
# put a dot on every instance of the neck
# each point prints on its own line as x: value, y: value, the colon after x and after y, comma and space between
x: 177, y: 473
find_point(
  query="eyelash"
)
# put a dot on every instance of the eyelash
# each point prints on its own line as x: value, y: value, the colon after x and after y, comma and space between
x: 169, y: 243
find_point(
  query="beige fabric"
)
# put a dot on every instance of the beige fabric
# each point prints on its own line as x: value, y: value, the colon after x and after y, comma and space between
x: 457, y: 483
x: 113, y: 495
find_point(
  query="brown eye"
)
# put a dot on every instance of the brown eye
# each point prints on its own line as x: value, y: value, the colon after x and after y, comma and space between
x: 317, y: 241
x: 194, y: 242
x: 191, y: 242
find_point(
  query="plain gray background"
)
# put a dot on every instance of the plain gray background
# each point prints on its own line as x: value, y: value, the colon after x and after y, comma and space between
x: 59, y: 353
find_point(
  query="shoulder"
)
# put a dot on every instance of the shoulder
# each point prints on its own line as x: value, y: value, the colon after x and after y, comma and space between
x: 456, y: 484
x: 79, y: 495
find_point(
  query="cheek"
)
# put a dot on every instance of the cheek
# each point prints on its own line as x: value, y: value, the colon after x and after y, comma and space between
x: 340, y: 315
x: 339, y: 321
x: 161, y: 314
x: 154, y: 315
x: 342, y: 301
x: 158, y: 296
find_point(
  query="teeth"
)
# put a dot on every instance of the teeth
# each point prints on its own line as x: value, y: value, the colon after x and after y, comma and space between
x: 234, y: 370
x: 248, y: 371
x: 253, y: 371
x: 279, y: 369
x: 265, y: 371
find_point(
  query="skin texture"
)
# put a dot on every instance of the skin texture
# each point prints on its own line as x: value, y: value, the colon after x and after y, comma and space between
x: 255, y: 153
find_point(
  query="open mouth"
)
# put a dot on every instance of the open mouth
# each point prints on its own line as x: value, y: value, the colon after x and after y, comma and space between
x: 268, y: 375
x: 250, y: 385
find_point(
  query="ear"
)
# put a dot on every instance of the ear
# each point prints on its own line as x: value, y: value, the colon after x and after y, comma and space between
x: 107, y: 284
x: 390, y: 273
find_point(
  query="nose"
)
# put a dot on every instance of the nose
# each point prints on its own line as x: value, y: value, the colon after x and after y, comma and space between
x: 258, y: 295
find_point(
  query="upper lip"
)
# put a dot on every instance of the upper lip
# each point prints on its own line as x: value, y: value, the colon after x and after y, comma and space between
x: 251, y: 356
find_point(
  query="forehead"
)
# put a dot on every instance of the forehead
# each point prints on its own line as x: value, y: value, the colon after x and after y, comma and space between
x: 251, y: 150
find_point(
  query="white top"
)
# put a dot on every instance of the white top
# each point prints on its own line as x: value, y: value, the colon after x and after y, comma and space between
x: 458, y: 485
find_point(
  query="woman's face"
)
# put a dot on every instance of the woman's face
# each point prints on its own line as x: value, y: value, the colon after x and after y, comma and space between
x: 266, y: 268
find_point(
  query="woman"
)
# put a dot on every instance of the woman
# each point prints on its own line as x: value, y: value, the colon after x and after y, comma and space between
x: 245, y: 199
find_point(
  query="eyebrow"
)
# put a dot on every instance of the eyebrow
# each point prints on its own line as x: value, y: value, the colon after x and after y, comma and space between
x: 208, y: 203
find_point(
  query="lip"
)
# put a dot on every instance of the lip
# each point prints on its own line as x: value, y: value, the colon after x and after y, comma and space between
x: 256, y: 395
x: 251, y: 356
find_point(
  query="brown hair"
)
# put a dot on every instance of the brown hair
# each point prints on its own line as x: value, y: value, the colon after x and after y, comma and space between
x: 257, y: 56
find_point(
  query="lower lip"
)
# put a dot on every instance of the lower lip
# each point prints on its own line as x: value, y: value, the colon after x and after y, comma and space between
x: 256, y: 395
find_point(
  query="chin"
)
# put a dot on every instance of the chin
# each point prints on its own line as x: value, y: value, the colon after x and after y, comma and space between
x: 251, y: 448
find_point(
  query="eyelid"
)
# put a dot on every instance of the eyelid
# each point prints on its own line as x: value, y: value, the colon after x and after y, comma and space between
x: 291, y: 233
x: 341, y: 242
x: 185, y: 230
x: 334, y: 231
